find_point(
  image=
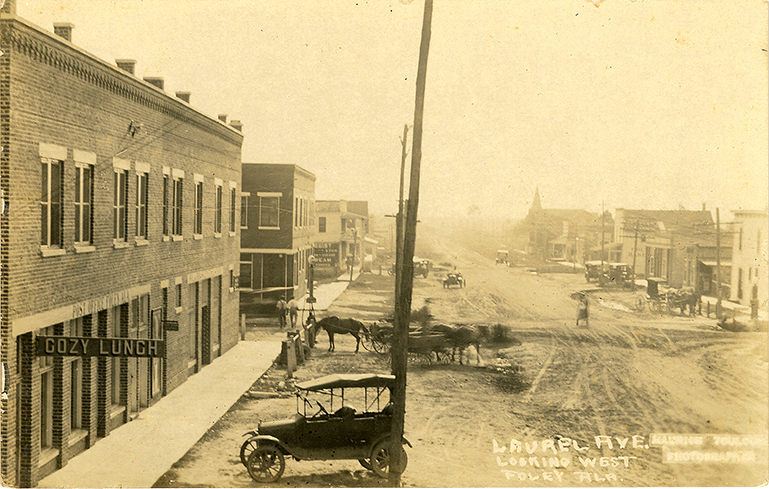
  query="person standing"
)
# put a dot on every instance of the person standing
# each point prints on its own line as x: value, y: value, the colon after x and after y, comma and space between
x: 582, y: 310
x: 293, y: 311
x: 282, y: 310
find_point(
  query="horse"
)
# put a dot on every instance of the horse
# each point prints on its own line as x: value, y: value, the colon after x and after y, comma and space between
x: 334, y: 325
x: 460, y: 337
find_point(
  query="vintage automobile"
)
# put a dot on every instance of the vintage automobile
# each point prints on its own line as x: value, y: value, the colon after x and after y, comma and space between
x: 620, y: 274
x: 453, y: 278
x: 593, y: 271
x: 317, y: 433
x: 502, y: 257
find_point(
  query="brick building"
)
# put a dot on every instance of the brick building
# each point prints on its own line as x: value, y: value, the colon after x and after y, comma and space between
x: 119, y: 205
x: 277, y: 225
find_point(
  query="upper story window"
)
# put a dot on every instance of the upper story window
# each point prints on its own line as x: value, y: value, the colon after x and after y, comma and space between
x: 218, y: 208
x: 51, y: 202
x: 166, y: 199
x: 269, y: 210
x: 84, y: 163
x: 177, y: 201
x: 142, y: 194
x: 244, y: 210
x: 198, y: 212
x: 233, y: 202
x: 120, y: 200
x: 322, y: 224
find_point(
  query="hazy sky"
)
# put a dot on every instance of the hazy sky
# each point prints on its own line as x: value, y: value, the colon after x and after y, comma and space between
x: 639, y: 104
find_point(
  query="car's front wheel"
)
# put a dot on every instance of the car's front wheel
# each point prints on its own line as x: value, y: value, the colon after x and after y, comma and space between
x: 266, y: 464
x: 380, y: 459
x: 365, y: 463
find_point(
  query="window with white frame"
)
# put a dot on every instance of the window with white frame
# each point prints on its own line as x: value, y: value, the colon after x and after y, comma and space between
x: 233, y: 202
x: 218, y: 209
x: 166, y: 192
x: 51, y: 202
x: 246, y: 271
x: 177, y: 205
x: 119, y: 205
x: 296, y: 212
x: 142, y: 194
x: 244, y: 210
x: 269, y: 210
x: 198, y: 209
x: 83, y: 203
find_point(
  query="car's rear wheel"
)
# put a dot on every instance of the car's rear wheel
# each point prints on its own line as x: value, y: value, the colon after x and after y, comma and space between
x: 266, y: 464
x: 380, y: 459
x: 247, y: 448
x: 365, y: 463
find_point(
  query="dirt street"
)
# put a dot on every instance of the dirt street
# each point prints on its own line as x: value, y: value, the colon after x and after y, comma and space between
x: 576, y: 406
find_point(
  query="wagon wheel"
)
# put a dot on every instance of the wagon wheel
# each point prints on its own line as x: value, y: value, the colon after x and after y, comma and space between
x: 247, y: 448
x: 640, y: 303
x: 380, y: 344
x: 380, y: 459
x: 266, y: 464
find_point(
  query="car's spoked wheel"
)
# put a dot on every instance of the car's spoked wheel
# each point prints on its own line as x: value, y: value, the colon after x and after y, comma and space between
x: 247, y: 448
x: 266, y: 464
x: 380, y: 459
x: 365, y: 463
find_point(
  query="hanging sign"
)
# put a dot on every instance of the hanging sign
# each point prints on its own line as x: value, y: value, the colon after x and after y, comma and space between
x: 76, y: 346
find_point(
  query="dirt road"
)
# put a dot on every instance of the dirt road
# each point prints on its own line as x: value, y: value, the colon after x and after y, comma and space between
x: 585, y: 407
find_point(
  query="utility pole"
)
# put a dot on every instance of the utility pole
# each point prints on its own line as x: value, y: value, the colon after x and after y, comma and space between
x: 354, y: 245
x: 399, y: 220
x: 718, y: 264
x: 602, y: 244
x: 403, y: 302
x: 635, y: 248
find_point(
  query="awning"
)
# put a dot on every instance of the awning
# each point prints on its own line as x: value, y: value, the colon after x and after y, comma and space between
x: 336, y: 381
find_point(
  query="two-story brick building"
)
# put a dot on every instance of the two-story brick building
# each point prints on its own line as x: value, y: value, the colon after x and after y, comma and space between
x: 277, y: 225
x: 118, y: 221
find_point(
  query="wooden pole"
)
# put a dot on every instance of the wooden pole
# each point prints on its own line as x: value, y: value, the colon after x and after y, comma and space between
x: 635, y: 249
x: 718, y: 264
x: 399, y: 220
x: 403, y: 305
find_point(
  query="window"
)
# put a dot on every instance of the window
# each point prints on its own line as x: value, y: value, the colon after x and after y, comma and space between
x: 321, y: 224
x: 176, y: 218
x: 165, y: 203
x: 296, y: 212
x: 244, y: 211
x: 46, y: 395
x: 119, y: 205
x: 246, y: 267
x: 198, y: 214
x: 179, y: 295
x: 233, y: 198
x: 218, y: 211
x: 268, y: 211
x: 232, y: 280
x: 76, y: 383
x: 51, y: 203
x: 141, y: 205
x: 740, y: 242
x: 83, y: 203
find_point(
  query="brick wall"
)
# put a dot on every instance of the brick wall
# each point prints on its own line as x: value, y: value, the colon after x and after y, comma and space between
x: 56, y: 95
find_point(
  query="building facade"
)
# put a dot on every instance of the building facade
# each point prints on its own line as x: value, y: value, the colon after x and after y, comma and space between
x: 750, y: 247
x: 342, y: 235
x: 119, y: 221
x: 277, y: 225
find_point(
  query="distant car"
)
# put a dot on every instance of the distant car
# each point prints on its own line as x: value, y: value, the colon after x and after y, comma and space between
x: 454, y: 278
x: 593, y: 271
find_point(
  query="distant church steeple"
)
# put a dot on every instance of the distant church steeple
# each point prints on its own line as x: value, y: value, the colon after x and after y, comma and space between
x: 537, y: 204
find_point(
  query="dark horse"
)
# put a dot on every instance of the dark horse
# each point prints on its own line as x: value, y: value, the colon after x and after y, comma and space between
x: 460, y: 337
x: 334, y: 325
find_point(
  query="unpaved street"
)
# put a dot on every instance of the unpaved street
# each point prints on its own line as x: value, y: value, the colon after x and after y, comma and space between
x: 584, y: 408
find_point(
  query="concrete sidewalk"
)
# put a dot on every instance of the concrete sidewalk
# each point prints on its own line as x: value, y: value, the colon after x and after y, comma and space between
x: 326, y: 294
x: 138, y: 453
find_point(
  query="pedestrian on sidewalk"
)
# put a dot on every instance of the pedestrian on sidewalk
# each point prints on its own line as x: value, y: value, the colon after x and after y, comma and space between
x: 293, y: 311
x: 282, y: 308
